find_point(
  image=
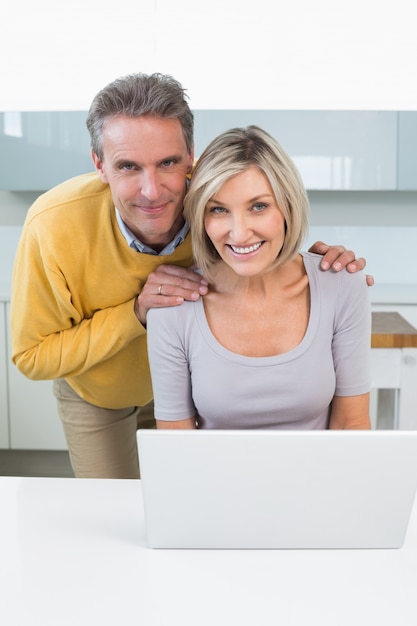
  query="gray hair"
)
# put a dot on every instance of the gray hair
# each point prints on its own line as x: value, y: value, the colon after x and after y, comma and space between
x: 136, y: 95
x: 229, y: 154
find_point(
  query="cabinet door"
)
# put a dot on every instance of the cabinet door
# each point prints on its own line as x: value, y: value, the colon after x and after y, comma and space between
x: 4, y: 413
x: 34, y: 420
x: 338, y: 150
x: 407, y: 150
x: 43, y: 148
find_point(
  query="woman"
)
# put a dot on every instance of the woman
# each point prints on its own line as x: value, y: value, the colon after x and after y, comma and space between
x: 276, y: 343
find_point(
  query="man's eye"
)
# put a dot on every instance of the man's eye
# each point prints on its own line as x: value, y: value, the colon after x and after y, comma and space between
x: 168, y: 163
x: 127, y: 166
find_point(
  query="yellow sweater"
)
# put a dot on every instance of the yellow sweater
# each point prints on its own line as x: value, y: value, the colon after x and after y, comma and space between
x: 74, y: 286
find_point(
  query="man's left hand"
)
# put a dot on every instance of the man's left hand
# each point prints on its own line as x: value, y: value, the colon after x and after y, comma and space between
x: 338, y: 258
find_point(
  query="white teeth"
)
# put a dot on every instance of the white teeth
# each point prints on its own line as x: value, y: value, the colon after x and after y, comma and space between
x: 256, y: 246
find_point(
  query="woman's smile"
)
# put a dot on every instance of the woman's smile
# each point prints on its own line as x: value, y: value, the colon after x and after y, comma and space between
x: 246, y: 249
x: 245, y: 224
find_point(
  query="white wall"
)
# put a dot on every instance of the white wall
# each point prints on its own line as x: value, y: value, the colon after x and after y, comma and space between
x: 359, y: 54
x: 381, y: 226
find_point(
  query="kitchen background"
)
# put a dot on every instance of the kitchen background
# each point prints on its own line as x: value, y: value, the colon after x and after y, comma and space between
x: 335, y: 83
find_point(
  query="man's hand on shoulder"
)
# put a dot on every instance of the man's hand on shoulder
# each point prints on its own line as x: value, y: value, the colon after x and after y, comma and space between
x: 169, y: 285
x: 338, y: 258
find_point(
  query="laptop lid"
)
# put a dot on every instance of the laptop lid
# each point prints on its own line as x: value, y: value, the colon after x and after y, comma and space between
x: 277, y: 489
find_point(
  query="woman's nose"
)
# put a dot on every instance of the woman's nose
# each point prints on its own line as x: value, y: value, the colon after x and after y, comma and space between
x: 240, y: 229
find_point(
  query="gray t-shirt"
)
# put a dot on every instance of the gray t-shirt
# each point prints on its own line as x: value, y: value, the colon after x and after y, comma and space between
x: 192, y: 373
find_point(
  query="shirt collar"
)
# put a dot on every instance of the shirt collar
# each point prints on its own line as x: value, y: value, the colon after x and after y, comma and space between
x: 138, y: 245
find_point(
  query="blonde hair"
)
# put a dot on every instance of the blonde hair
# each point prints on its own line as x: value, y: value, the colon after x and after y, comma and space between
x: 229, y: 154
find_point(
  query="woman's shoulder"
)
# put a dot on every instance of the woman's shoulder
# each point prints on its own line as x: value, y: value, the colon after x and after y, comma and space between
x: 312, y: 263
x: 176, y: 315
x: 311, y: 259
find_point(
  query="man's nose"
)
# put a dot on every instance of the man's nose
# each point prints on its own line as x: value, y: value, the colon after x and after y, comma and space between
x: 150, y: 186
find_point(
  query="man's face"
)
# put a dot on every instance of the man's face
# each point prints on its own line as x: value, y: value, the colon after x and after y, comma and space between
x: 145, y: 162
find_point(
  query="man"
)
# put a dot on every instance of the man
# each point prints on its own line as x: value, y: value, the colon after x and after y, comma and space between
x: 96, y: 253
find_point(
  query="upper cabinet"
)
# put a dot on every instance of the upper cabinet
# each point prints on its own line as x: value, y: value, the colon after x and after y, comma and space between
x: 334, y: 150
x: 41, y: 149
x: 407, y: 150
x: 338, y: 150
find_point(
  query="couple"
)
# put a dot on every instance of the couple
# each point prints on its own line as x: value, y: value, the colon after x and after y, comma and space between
x: 101, y: 250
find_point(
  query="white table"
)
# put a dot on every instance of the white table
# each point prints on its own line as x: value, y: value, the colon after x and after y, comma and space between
x: 73, y: 552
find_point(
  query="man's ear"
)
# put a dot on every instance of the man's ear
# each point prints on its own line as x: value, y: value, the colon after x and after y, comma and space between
x: 98, y: 164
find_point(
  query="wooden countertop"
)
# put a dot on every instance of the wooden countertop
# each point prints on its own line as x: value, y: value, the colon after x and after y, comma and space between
x: 391, y: 330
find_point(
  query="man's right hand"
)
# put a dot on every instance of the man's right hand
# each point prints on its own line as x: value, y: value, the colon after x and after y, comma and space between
x: 169, y: 285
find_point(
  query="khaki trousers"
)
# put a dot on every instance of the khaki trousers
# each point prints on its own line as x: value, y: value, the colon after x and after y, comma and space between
x: 101, y: 442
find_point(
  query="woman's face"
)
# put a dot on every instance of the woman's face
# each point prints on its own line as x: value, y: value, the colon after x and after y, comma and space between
x: 245, y: 223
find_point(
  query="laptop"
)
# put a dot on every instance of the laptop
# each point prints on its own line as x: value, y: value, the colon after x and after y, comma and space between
x: 241, y: 489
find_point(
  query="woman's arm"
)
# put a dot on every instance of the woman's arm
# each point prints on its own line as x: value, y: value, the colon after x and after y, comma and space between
x: 350, y: 413
x: 189, y: 423
x: 168, y: 352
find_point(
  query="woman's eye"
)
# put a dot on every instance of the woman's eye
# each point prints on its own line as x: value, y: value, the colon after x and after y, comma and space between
x: 259, y: 206
x: 217, y: 210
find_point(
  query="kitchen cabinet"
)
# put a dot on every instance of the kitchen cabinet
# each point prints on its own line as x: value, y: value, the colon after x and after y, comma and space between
x: 334, y: 150
x: 28, y: 413
x: 392, y: 369
x: 4, y: 412
x: 43, y: 148
x: 407, y: 150
x: 33, y: 415
x: 407, y: 311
